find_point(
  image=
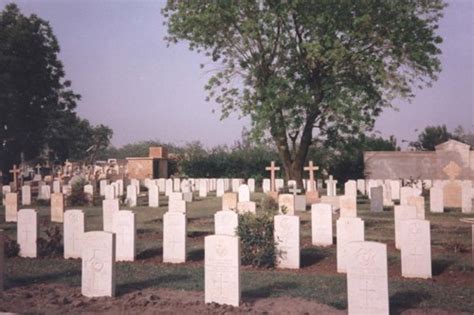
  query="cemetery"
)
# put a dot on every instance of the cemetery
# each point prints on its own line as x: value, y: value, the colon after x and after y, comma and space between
x: 312, y: 211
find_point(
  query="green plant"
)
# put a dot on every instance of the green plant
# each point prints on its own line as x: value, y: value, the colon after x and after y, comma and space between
x: 78, y: 197
x: 51, y: 245
x: 10, y: 247
x: 256, y: 236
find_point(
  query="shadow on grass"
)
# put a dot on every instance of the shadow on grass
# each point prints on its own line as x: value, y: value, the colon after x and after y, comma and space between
x: 45, y: 278
x: 405, y: 300
x: 269, y: 290
x: 150, y: 253
x: 196, y: 255
x: 148, y: 283
x: 440, y: 265
x: 198, y: 233
x: 311, y: 256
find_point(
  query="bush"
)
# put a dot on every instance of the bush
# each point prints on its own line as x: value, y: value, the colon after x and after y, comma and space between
x: 11, y: 247
x: 51, y: 245
x: 78, y: 197
x: 256, y: 236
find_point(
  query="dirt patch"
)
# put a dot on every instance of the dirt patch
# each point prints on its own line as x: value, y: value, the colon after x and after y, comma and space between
x: 61, y: 299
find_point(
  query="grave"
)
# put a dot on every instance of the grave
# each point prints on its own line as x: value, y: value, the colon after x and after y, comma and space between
x: 287, y: 238
x: 124, y: 227
x: 348, y: 206
x: 27, y: 233
x: 376, y: 200
x: 11, y: 207
x: 416, y: 249
x: 26, y: 195
x: 347, y: 230
x: 109, y: 207
x: 174, y: 237
x: 402, y: 213
x: 246, y: 206
x: 226, y: 222
x: 229, y: 201
x: 321, y: 224
x: 222, y: 269
x: 73, y: 232
x: 132, y: 195
x: 176, y: 205
x: 153, y: 196
x: 419, y: 203
x: 98, y: 264
x: 287, y: 202
x: 436, y: 200
x: 244, y: 193
x: 57, y: 207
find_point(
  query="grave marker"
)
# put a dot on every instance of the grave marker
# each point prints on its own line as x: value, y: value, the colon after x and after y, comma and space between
x: 124, y: 227
x: 321, y: 224
x: 348, y: 230
x: 73, y: 232
x: 287, y: 237
x: 416, y: 249
x: 57, y: 207
x: 174, y: 237
x: 226, y: 222
x: 27, y: 233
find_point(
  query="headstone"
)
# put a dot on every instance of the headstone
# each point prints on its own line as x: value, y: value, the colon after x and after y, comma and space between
x: 229, y: 201
x: 361, y: 186
x: 185, y: 186
x: 321, y: 224
x: 89, y: 189
x: 416, y: 249
x: 300, y: 203
x: 27, y: 233
x: 102, y: 184
x: 419, y: 203
x: 331, y: 188
x: 222, y: 269
x: 279, y: 184
x: 226, y: 222
x: 131, y: 195
x: 332, y: 200
x: 406, y: 192
x: 244, y: 193
x: 135, y: 182
x: 188, y: 196
x: 44, y: 192
x: 348, y: 206
x: 11, y: 207
x: 124, y: 227
x: 266, y: 185
x: 175, y: 196
x: 98, y: 264
x: 73, y: 232
x: 26, y: 195
x: 168, y: 186
x: 174, y: 237
x: 287, y: 202
x: 387, y: 194
x: 402, y: 213
x: 348, y: 230
x: 203, y: 188
x: 109, y: 192
x: 287, y: 238
x: 109, y: 207
x: 56, y: 186
x: 67, y: 190
x: 350, y: 188
x: 436, y: 200
x: 220, y: 189
x: 395, y: 189
x: 251, y: 184
x: 452, y: 189
x: 176, y: 205
x: 367, y: 278
x: 153, y: 196
x: 376, y: 201
x: 176, y: 184
x: 466, y: 196
x: 57, y: 207
x: 246, y: 206
x: 119, y: 187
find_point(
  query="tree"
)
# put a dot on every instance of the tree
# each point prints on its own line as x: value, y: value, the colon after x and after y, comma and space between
x: 33, y: 92
x: 429, y: 138
x: 305, y: 71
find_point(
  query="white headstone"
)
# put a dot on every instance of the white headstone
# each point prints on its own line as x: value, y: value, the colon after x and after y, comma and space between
x: 89, y: 189
x: 401, y: 213
x: 56, y: 186
x: 57, y: 207
x: 348, y: 206
x: 246, y: 206
x: 44, y: 192
x: 266, y: 185
x: 251, y: 184
x: 361, y: 186
x: 73, y: 232
x: 109, y: 207
x: 436, y: 199
x: 203, y: 188
x: 321, y: 224
x: 174, y: 237
x: 124, y: 227
x: 176, y: 205
x: 367, y: 279
x: 102, y: 184
x: 132, y: 195
x: 11, y: 207
x: 98, y: 264
x: 416, y: 249
x: 287, y: 237
x: 153, y: 196
x: 466, y: 196
x: 109, y: 192
x: 348, y: 230
x: 226, y: 222
x: 229, y: 201
x: 27, y: 233
x: 350, y: 188
x: 26, y: 195
x: 244, y: 193
x: 222, y: 269
x: 419, y: 203
x: 287, y: 202
x: 135, y: 182
x: 220, y: 189
x: 168, y: 186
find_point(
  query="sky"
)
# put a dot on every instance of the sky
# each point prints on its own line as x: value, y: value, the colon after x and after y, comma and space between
x: 115, y: 55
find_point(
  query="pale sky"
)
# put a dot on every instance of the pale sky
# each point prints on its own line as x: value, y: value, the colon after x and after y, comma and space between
x: 116, y: 58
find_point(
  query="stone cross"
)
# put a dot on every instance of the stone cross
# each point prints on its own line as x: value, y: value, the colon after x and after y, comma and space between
x: 272, y: 170
x: 311, y: 169
x: 38, y: 169
x: 15, y: 171
x: 452, y: 170
x: 294, y: 191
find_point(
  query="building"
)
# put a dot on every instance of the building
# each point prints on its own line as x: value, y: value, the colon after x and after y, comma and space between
x: 153, y: 166
x: 420, y: 164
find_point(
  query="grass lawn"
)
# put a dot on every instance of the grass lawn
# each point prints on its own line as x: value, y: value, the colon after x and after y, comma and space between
x: 452, y: 286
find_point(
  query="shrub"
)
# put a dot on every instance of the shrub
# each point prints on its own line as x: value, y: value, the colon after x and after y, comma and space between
x: 78, y: 197
x: 256, y: 236
x: 11, y: 247
x: 51, y: 244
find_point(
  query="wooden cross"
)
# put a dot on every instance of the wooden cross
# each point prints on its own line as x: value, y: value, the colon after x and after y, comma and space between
x: 452, y: 170
x: 15, y: 171
x: 272, y: 170
x: 311, y: 168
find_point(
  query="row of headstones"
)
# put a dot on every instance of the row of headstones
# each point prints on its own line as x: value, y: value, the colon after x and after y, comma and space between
x: 12, y: 206
x: 44, y: 192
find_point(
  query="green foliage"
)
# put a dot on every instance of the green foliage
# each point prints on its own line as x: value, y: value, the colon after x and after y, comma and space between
x: 256, y: 237
x: 429, y: 138
x: 51, y: 245
x: 10, y: 247
x: 78, y: 197
x: 310, y: 69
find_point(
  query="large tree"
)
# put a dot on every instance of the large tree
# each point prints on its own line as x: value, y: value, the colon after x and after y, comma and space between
x: 310, y: 70
x: 431, y: 136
